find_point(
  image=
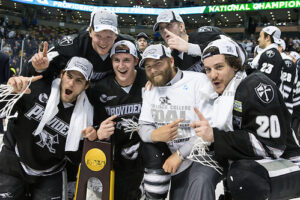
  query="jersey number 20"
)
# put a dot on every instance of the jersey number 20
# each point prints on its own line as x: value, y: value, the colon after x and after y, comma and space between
x: 269, y: 127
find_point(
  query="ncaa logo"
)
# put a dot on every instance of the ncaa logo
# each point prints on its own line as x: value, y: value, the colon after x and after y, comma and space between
x: 270, y: 53
x: 43, y: 98
x: 264, y: 92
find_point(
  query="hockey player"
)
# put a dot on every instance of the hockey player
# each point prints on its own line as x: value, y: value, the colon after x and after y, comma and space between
x: 269, y: 60
x: 120, y: 93
x: 296, y: 106
x: 94, y: 45
x: 46, y: 134
x: 250, y: 128
x: 289, y: 77
x: 164, y: 122
x: 186, y: 49
x: 142, y: 41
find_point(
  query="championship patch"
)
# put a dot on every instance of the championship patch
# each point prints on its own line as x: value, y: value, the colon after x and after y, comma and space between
x: 264, y: 92
x: 66, y: 41
x: 237, y: 106
x: 270, y: 53
x: 237, y: 121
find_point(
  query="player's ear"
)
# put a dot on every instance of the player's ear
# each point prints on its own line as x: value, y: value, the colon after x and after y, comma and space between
x: 61, y: 73
x: 88, y: 83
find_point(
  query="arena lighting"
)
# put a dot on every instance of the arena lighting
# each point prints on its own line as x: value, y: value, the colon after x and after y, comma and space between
x: 182, y: 11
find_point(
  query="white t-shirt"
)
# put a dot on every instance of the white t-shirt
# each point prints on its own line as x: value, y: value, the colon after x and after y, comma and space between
x: 163, y: 105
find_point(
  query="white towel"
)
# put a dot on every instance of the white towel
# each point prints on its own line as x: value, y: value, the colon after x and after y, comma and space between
x: 223, y: 105
x: 82, y: 116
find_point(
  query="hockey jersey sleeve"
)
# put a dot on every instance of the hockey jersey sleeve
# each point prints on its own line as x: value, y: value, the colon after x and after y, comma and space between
x: 271, y: 64
x: 260, y: 121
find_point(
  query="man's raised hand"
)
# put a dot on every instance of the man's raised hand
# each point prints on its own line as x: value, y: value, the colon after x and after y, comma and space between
x: 176, y: 42
x: 40, y: 60
x: 202, y: 127
x: 20, y: 83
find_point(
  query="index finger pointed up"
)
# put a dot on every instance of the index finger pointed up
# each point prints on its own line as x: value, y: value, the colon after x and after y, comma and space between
x: 199, y: 114
x: 170, y: 33
x: 45, y: 49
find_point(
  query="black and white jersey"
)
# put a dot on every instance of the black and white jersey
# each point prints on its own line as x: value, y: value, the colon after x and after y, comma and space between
x: 296, y: 104
x: 74, y: 45
x: 271, y: 64
x: 42, y: 154
x: 289, y: 78
x: 261, y: 124
x: 108, y: 93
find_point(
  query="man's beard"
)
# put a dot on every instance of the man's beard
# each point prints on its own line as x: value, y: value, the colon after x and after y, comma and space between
x: 166, y: 77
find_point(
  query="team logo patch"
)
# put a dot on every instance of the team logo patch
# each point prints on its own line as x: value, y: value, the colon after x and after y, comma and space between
x: 46, y: 139
x: 264, y: 92
x: 237, y: 121
x: 164, y: 100
x: 288, y: 63
x: 185, y: 87
x: 270, y: 53
x: 104, y: 98
x: 43, y: 98
x: 66, y: 41
x: 237, y: 106
x: 205, y: 29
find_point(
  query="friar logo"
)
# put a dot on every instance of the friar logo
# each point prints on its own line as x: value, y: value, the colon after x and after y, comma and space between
x: 270, y: 53
x: 46, y: 139
x: 265, y: 92
x: 66, y: 41
x: 164, y: 100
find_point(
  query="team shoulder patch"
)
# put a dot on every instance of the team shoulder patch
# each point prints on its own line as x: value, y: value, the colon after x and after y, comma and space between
x: 237, y: 106
x: 270, y: 53
x: 264, y: 92
x: 43, y: 97
x: 66, y: 41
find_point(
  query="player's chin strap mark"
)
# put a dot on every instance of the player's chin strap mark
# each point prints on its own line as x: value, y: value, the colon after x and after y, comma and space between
x: 199, y: 154
x: 7, y: 95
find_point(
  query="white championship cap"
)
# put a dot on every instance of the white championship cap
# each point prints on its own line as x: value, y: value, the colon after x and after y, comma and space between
x: 103, y: 19
x: 167, y: 16
x: 130, y: 45
x: 156, y: 51
x: 227, y: 47
x: 81, y: 65
x: 273, y: 31
x: 281, y: 42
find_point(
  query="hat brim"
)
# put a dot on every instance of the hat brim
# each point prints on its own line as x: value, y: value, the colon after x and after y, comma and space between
x: 71, y: 68
x: 102, y: 27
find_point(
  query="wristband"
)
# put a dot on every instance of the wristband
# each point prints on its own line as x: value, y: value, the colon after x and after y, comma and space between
x: 180, y: 155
